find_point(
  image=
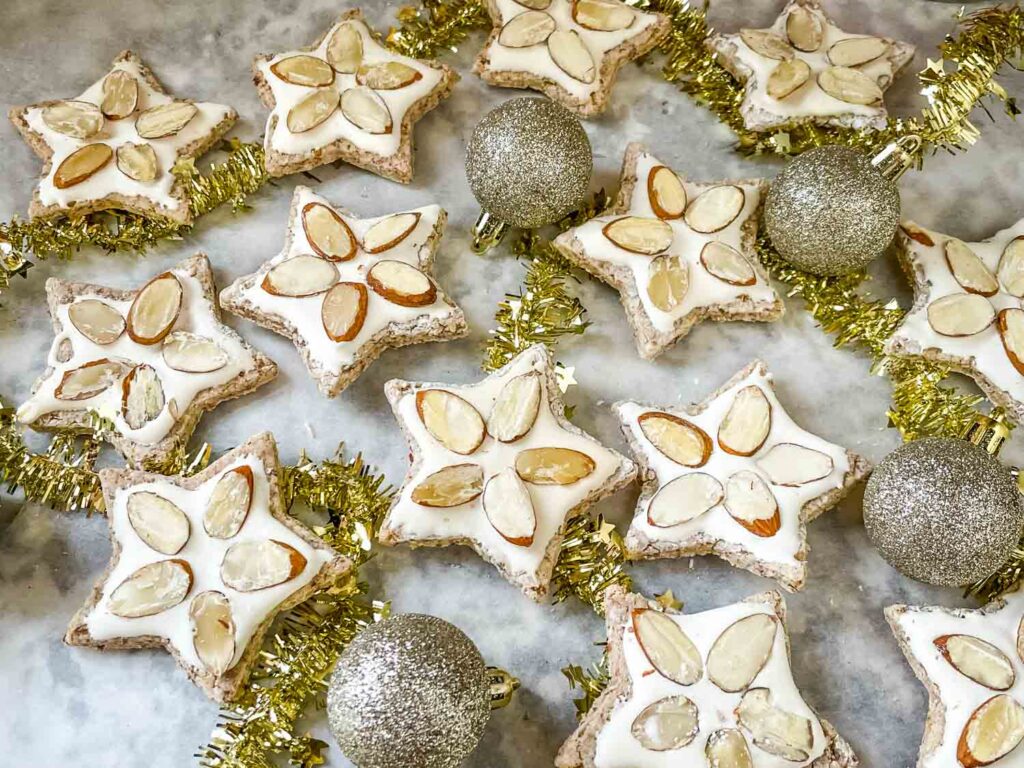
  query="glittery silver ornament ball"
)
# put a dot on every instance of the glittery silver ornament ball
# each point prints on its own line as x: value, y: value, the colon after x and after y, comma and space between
x: 529, y: 162
x: 409, y: 692
x: 831, y: 212
x: 943, y: 511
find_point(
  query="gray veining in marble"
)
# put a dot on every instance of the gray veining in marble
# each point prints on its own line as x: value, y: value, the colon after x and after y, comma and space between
x: 77, y: 706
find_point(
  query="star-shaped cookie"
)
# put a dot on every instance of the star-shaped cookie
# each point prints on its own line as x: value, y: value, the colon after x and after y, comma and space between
x: 677, y: 251
x: 114, y: 145
x: 805, y: 69
x: 201, y: 565
x: 706, y: 689
x: 971, y: 662
x: 569, y: 50
x: 497, y: 466
x: 344, y: 289
x: 150, y: 361
x: 347, y: 98
x: 967, y: 308
x: 733, y: 476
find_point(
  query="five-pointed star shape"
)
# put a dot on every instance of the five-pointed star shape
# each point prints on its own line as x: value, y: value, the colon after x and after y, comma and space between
x: 670, y: 276
x: 722, y: 686
x: 202, y: 564
x: 570, y: 50
x: 803, y: 68
x: 498, y: 434
x: 969, y: 319
x: 367, y: 279
x: 349, y: 98
x: 150, y: 361
x: 970, y: 661
x: 735, y: 477
x: 135, y: 142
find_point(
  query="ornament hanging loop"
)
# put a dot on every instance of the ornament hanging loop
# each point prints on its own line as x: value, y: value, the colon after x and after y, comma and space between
x: 487, y: 232
x: 898, y: 157
x: 503, y: 686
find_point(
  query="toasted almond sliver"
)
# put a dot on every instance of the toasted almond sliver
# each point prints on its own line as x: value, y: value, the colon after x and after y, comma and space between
x: 804, y: 29
x: 344, y: 311
x: 345, y: 50
x: 776, y: 731
x: 602, y: 15
x: 137, y: 161
x: 978, y: 660
x: 313, y: 110
x: 854, y: 51
x: 917, y: 234
x: 668, y: 723
x: 401, y: 284
x: 553, y: 466
x: 389, y: 232
x: 158, y: 522
x: 787, y: 78
x: 509, y: 508
x: 99, y: 322
x: 229, y: 503
x: 1010, y: 323
x: 727, y: 264
x: 516, y: 408
x: 715, y: 208
x: 155, y: 309
x: 81, y: 164
x: 767, y: 44
x: 746, y: 424
x: 450, y: 487
x: 969, y: 270
x: 327, y: 233
x: 535, y: 5
x: 305, y: 70
x: 684, y: 499
x: 960, y: 314
x: 365, y: 109
x: 666, y: 193
x: 120, y: 95
x: 727, y: 748
x: 670, y: 651
x: 77, y: 119
x: 451, y: 420
x: 639, y: 234
x: 993, y: 731
x: 668, y: 280
x: 89, y: 380
x: 300, y: 276
x: 249, y: 566
x: 388, y: 75
x: 191, y: 353
x: 165, y: 119
x: 152, y: 589
x: 142, y: 396
x: 741, y: 651
x: 680, y: 440
x: 750, y: 502
x: 526, y: 29
x: 793, y: 465
x: 213, y: 631
x: 849, y: 85
x: 571, y: 55
x: 1011, y: 267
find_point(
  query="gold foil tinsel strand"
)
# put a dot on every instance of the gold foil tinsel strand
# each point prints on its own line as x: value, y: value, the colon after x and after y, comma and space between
x: 435, y: 27
x: 590, y: 682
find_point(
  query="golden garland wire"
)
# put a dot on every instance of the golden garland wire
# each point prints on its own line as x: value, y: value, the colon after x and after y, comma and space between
x: 436, y: 27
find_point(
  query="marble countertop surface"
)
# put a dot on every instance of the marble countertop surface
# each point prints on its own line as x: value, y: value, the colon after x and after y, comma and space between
x: 64, y: 706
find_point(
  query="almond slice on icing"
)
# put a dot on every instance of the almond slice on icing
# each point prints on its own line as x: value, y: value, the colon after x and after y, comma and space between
x: 213, y: 630
x: 81, y: 164
x: 746, y: 424
x: 715, y: 209
x: 451, y: 420
x: 89, y: 380
x: 602, y: 15
x: 515, y: 411
x: 668, y: 723
x: 142, y: 396
x: 99, y: 322
x: 854, y: 51
x: 804, y: 29
x: 151, y: 589
x: 961, y: 314
x: 969, y: 270
x: 345, y: 50
x: 155, y: 309
x: 666, y: 193
x: 727, y: 264
x: 741, y: 651
x: 727, y: 748
x: 77, y: 119
x: 120, y: 95
x: 776, y: 731
x: 191, y: 353
x: 327, y: 233
x: 229, y: 503
x: 300, y: 276
x: 684, y: 499
x: 787, y: 77
x: 305, y: 70
x: 767, y: 44
x: 313, y: 110
x: 388, y: 75
x: 1011, y: 267
x: 344, y: 311
x: 137, y: 161
x: 249, y: 566
x: 366, y: 110
x: 526, y: 29
x: 1020, y: 640
x: 750, y: 502
x: 534, y: 5
x: 1010, y: 323
x: 670, y: 651
x: 668, y: 280
x: 639, y: 234
x: 509, y: 508
x: 165, y: 119
x: 450, y: 487
x: 793, y: 465
x: 849, y: 85
x: 158, y: 522
x: 553, y: 466
x: 978, y: 660
x: 917, y: 234
x: 994, y: 730
x: 390, y: 231
x: 401, y: 284
x: 571, y: 55
x: 680, y: 440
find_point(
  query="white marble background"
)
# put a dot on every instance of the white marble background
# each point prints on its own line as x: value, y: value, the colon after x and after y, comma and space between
x: 78, y: 706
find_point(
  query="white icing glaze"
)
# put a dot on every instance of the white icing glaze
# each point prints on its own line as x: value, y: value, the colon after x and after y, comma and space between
x: 551, y: 502
x: 109, y: 180
x: 717, y: 523
x: 204, y: 554
x: 399, y: 101
x: 616, y: 746
x: 705, y: 290
x: 537, y: 61
x: 196, y: 316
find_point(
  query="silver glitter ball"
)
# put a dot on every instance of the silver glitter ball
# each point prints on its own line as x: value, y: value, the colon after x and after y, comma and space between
x: 529, y: 162
x: 409, y: 692
x: 943, y: 511
x: 831, y: 212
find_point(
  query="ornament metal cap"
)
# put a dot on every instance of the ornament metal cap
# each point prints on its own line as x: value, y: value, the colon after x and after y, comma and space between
x: 988, y: 432
x: 898, y: 157
x: 503, y: 687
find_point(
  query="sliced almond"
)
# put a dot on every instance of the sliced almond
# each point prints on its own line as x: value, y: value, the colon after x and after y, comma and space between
x: 639, y: 234
x: 191, y: 353
x: 345, y: 50
x: 571, y: 55
x: 450, y: 487
x: 155, y: 309
x: 389, y: 232
x: 666, y: 193
x: 1011, y: 267
x: 365, y: 109
x: 746, y: 424
x: 344, y: 311
x: 142, y: 396
x: 715, y: 209
x: 668, y: 723
x: 855, y: 51
x: 969, y: 270
x: 300, y: 276
x: 158, y: 522
x: 526, y: 29
x: 680, y: 440
x: 81, y: 164
x: 536, y: 5
x: 793, y: 465
x: 249, y: 566
x: 787, y: 77
x: 229, y: 503
x: 1020, y: 640
x: 312, y: 110
x: 994, y: 730
x: 327, y: 233
x: 982, y: 662
x: 750, y: 502
x: 516, y: 408
x: 77, y: 119
x: 305, y: 70
x: 917, y: 234
x: 451, y: 420
x: 775, y: 730
x: 137, y: 161
x: 741, y: 651
x: 99, y: 322
x: 684, y: 499
x: 767, y: 44
x: 165, y: 119
x: 553, y: 466
x: 151, y: 589
x: 727, y: 264
x: 804, y: 29
x: 849, y: 85
x: 602, y: 15
x: 213, y: 631
x: 89, y: 380
x: 960, y: 314
x: 1010, y: 323
x: 670, y: 651
x: 120, y: 95
x: 668, y: 280
x: 401, y: 284
x: 388, y: 75
x: 727, y: 748
x: 509, y: 508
